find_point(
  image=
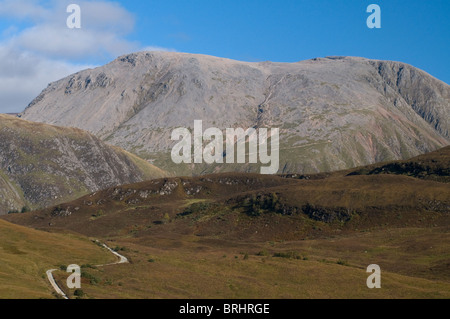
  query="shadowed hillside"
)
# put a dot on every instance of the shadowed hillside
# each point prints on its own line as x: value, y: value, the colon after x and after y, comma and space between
x: 42, y: 165
x: 258, y: 207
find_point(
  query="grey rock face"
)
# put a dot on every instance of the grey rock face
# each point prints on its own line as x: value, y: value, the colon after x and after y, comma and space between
x: 43, y: 165
x: 333, y: 113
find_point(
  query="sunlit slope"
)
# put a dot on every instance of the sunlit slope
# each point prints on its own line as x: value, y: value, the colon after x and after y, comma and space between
x: 26, y: 254
x: 261, y: 207
x: 333, y: 113
x: 239, y: 235
x: 413, y: 263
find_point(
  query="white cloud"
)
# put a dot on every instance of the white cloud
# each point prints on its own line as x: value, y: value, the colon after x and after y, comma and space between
x: 156, y: 48
x: 24, y: 9
x: 23, y: 75
x: 73, y: 44
x: 104, y: 26
x: 47, y: 50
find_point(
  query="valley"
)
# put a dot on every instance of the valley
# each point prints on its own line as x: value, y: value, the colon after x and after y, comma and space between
x: 220, y: 158
x: 236, y: 235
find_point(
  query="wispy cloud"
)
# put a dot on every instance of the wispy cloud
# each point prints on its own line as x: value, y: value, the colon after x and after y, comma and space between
x: 24, y: 74
x: 46, y: 50
x: 157, y: 48
x: 105, y: 26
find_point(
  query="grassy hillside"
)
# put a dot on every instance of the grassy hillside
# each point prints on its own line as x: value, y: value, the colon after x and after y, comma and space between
x: 432, y: 166
x: 257, y: 207
x: 169, y: 266
x: 43, y: 165
x: 26, y: 254
x: 251, y: 236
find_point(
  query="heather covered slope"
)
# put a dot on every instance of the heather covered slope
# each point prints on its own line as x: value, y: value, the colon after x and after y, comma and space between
x: 259, y: 207
x: 254, y: 236
x: 333, y: 113
x: 42, y: 165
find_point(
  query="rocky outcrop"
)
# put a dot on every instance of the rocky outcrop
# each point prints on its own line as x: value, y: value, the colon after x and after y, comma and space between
x: 43, y: 165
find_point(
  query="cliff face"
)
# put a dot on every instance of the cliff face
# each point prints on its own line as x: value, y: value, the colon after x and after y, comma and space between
x: 42, y: 165
x: 333, y: 113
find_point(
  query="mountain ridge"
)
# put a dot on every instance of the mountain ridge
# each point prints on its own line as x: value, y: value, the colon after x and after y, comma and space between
x: 235, y: 205
x: 333, y: 113
x: 42, y: 165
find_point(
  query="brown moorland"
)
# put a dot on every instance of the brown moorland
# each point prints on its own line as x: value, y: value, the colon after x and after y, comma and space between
x: 238, y: 235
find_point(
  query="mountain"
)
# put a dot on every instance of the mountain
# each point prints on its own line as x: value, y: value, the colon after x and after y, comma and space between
x: 333, y: 113
x: 42, y: 165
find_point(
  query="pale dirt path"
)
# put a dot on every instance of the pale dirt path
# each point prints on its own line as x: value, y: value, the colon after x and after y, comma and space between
x: 51, y: 279
x: 122, y: 259
x: 54, y: 284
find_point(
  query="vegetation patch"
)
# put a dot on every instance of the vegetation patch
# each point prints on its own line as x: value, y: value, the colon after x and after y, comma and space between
x: 197, y: 208
x: 288, y: 255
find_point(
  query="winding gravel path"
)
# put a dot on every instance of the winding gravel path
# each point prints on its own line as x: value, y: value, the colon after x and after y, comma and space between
x: 122, y: 259
x: 54, y: 284
x: 59, y: 291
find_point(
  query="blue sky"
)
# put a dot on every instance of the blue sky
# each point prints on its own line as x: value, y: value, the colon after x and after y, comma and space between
x: 416, y: 32
x: 36, y: 47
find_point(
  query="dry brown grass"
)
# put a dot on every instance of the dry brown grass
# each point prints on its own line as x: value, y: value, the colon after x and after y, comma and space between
x: 26, y: 254
x: 399, y: 222
x: 190, y: 267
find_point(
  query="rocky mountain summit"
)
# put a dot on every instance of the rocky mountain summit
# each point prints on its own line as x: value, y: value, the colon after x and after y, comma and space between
x: 43, y: 165
x: 333, y: 113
